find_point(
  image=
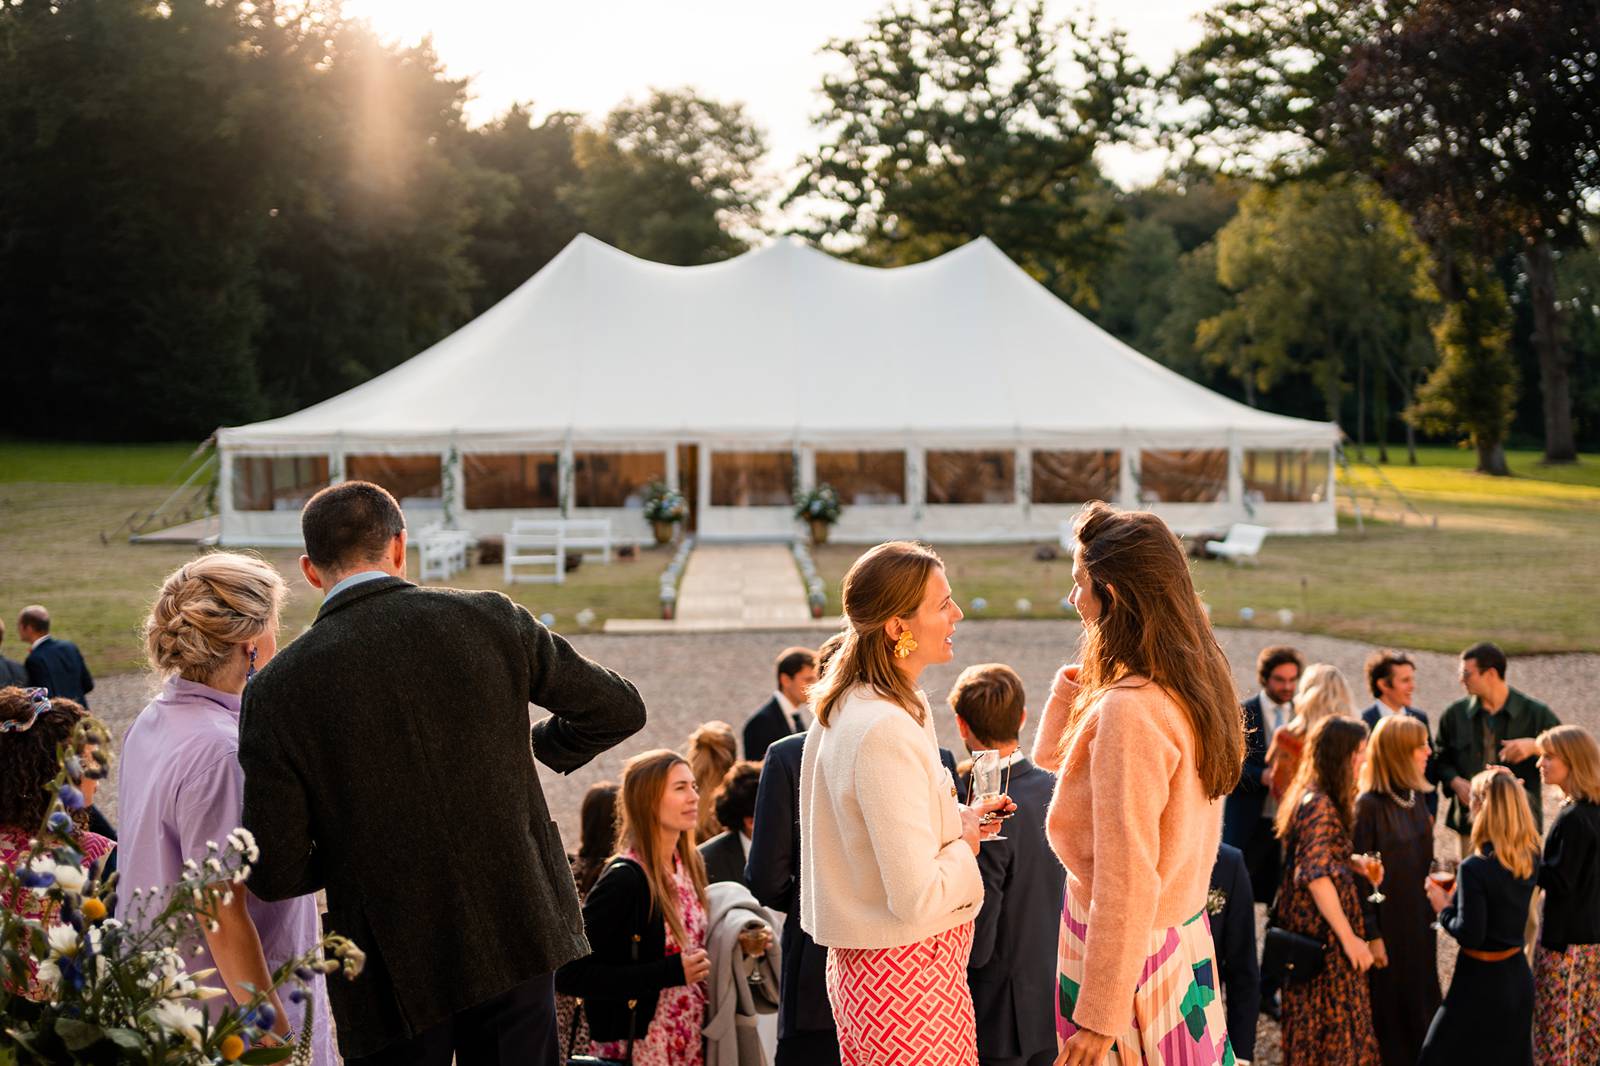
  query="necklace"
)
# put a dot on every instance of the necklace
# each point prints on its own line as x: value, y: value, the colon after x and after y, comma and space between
x: 1409, y: 802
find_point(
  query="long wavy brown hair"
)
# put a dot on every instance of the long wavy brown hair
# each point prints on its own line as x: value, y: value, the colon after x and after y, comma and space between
x: 1152, y: 626
x: 1325, y: 768
x: 644, y: 782
x: 887, y: 582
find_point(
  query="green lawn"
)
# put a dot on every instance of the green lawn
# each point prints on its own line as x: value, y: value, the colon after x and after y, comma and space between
x: 51, y: 553
x: 1514, y: 559
x: 105, y: 464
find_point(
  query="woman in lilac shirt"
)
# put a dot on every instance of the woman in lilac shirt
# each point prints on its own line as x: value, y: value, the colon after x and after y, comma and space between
x: 214, y: 624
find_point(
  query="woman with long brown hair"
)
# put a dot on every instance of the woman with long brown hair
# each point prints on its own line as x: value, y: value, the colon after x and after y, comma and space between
x: 1148, y: 738
x: 1392, y: 820
x: 1327, y: 1020
x: 888, y: 860
x: 642, y: 984
x: 1566, y: 962
x: 1487, y: 1015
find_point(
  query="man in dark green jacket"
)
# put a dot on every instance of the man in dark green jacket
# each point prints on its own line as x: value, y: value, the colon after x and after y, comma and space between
x: 1494, y: 723
x: 388, y: 759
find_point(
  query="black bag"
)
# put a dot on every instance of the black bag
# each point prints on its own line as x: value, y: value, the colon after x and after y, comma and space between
x: 633, y: 1004
x: 1287, y: 957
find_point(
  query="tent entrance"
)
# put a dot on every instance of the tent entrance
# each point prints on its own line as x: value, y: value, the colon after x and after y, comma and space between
x: 689, y: 482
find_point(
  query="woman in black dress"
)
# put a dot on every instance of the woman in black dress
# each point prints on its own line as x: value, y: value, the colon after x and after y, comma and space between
x: 1392, y: 820
x: 1566, y: 964
x: 1487, y: 1015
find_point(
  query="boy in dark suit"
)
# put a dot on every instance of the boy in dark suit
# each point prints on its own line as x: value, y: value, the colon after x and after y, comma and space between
x: 1248, y: 811
x: 780, y: 716
x: 735, y: 801
x: 1012, y: 969
x: 388, y: 759
x: 53, y: 664
x: 1392, y: 677
x: 1232, y: 911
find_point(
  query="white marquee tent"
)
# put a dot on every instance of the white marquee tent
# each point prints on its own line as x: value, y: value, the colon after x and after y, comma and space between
x: 952, y: 400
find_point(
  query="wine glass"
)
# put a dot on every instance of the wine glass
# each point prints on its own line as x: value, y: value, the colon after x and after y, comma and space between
x: 1372, y: 863
x: 1442, y: 872
x: 754, y: 942
x: 987, y: 784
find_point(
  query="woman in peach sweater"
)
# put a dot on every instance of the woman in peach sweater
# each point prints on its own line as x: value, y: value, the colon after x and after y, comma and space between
x: 1147, y: 737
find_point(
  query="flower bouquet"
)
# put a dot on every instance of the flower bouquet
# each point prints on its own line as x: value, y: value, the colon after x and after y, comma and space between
x: 664, y: 507
x: 820, y: 508
x: 79, y: 986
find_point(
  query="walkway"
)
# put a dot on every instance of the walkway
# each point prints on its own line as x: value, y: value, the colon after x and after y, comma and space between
x: 734, y: 586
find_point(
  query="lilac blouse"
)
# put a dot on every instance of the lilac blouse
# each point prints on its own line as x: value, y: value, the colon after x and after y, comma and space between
x: 179, y: 787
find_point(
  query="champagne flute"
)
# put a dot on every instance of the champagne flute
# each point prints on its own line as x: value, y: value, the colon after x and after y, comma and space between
x: 1442, y: 872
x: 986, y: 784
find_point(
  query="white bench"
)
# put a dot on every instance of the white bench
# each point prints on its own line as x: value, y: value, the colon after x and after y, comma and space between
x: 442, y: 552
x: 1243, y: 543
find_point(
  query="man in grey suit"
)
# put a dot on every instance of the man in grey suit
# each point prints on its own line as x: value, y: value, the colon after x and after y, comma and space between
x: 1012, y: 969
x: 388, y: 759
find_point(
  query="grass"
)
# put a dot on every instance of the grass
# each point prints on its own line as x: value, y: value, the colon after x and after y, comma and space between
x: 1513, y: 559
x: 102, y: 464
x: 51, y: 553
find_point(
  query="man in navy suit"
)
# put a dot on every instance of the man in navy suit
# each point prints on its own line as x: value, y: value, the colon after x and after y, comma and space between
x: 780, y: 716
x: 53, y: 664
x: 1012, y: 968
x: 1392, y: 677
x: 1231, y: 908
x: 1248, y: 811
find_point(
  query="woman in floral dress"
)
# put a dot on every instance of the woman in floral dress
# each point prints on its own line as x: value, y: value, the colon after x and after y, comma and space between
x: 643, y: 986
x: 1327, y: 1021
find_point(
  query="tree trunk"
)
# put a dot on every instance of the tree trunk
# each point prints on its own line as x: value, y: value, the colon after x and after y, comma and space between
x: 1555, y: 363
x: 1410, y: 398
x: 1492, y: 459
x: 1361, y: 409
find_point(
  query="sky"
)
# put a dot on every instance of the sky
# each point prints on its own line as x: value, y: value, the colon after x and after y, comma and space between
x: 589, y: 55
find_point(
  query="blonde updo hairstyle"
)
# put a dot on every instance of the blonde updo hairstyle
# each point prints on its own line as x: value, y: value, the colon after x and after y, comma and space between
x: 887, y: 582
x: 206, y: 609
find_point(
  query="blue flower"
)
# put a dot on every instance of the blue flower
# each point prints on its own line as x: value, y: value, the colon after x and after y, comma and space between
x: 70, y: 797
x: 60, y: 822
x: 265, y: 1016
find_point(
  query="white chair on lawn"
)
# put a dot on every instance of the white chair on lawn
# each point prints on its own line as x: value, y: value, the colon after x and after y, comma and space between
x: 1243, y: 543
x: 442, y: 552
x: 536, y: 543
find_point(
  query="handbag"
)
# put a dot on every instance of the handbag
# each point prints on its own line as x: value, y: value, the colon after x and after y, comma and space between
x: 633, y: 1004
x: 1287, y: 957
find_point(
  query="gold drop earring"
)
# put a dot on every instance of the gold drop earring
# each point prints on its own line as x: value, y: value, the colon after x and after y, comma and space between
x: 905, y: 645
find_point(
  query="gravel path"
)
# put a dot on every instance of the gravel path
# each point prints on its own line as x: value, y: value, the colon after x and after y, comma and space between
x: 693, y: 678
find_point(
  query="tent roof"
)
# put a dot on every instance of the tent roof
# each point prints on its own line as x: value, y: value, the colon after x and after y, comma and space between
x: 785, y: 343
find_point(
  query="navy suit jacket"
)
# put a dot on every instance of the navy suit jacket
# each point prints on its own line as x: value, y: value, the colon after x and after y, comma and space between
x: 58, y: 666
x: 724, y: 858
x: 1012, y: 969
x: 765, y: 727
x: 1241, y: 811
x: 1371, y: 717
x: 1234, y: 933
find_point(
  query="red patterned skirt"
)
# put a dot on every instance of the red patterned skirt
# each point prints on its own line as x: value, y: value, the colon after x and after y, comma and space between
x: 905, y: 1006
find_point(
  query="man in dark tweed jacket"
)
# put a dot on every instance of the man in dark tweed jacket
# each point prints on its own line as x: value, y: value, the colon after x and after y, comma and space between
x: 387, y: 759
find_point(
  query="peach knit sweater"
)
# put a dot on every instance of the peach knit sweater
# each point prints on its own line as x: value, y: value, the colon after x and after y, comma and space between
x: 1132, y: 824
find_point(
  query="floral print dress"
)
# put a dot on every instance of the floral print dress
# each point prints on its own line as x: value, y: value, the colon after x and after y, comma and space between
x: 674, y: 1037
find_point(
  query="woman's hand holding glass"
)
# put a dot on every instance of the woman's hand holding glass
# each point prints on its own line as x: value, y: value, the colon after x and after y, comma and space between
x: 974, y: 830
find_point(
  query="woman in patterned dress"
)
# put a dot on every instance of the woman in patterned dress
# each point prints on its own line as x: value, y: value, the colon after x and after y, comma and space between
x: 888, y: 867
x: 1566, y: 963
x: 1327, y: 1021
x: 643, y: 986
x: 1148, y: 739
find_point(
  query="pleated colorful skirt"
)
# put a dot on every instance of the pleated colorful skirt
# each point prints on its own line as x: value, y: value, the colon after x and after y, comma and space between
x: 1177, y: 1005
x: 905, y: 1006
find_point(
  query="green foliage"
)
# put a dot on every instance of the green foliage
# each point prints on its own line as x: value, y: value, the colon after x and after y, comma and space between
x: 821, y: 504
x: 951, y: 122
x: 1473, y: 390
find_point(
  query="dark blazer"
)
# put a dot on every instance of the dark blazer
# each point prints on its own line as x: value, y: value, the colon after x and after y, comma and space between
x: 1012, y: 968
x: 387, y: 759
x: 617, y: 909
x: 773, y: 874
x: 58, y: 666
x: 12, y: 673
x: 1371, y: 717
x: 764, y: 728
x: 724, y: 859
x: 1241, y: 811
x: 1570, y: 877
x: 1233, y: 931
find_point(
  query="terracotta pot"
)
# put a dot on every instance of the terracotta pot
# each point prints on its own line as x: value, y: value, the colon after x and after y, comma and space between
x: 668, y: 609
x: 819, y: 531
x: 663, y: 531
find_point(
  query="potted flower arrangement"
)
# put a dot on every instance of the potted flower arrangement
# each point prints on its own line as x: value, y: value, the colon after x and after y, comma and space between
x: 820, y: 509
x: 664, y: 508
x: 79, y: 986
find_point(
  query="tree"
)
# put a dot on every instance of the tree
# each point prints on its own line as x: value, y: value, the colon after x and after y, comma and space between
x: 1474, y: 388
x: 672, y: 178
x: 1325, y: 279
x: 950, y: 122
x: 1485, y: 114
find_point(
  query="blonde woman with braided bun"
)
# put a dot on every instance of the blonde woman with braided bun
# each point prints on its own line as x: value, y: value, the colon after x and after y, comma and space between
x: 214, y: 623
